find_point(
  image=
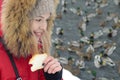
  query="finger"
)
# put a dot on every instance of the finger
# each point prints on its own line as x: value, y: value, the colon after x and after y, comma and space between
x: 52, y: 67
x: 57, y: 69
x: 49, y: 64
x: 47, y: 60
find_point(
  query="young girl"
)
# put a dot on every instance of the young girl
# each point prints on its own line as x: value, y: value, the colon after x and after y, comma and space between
x: 26, y: 30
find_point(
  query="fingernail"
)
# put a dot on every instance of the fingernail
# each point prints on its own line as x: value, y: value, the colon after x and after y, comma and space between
x: 43, y: 64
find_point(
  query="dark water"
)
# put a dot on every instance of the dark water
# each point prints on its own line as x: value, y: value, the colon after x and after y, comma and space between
x: 69, y: 23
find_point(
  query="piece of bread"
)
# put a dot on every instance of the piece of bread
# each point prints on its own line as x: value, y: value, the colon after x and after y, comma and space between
x: 37, y: 61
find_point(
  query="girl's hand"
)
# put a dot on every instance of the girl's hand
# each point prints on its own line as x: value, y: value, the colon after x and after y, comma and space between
x: 51, y: 65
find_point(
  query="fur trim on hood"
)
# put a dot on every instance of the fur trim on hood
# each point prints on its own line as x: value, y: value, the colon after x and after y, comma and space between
x: 16, y: 27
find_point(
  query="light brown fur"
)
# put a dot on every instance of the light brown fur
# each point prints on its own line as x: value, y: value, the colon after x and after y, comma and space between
x: 16, y: 28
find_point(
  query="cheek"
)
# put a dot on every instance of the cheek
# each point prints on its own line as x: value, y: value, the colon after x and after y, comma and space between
x: 45, y: 25
x: 34, y: 26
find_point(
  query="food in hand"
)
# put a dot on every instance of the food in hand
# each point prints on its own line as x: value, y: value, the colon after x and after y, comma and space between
x: 37, y: 61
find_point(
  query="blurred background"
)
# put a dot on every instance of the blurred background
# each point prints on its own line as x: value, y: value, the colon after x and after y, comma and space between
x: 86, y: 38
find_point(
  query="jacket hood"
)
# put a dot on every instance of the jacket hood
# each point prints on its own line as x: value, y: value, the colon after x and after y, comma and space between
x: 16, y: 28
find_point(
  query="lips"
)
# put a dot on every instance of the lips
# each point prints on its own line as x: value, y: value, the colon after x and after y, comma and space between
x: 38, y: 34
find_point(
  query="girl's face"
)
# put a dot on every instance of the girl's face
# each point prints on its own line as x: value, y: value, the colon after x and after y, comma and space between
x: 39, y: 25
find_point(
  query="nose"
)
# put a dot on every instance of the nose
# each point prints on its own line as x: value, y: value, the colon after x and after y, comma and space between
x: 43, y: 25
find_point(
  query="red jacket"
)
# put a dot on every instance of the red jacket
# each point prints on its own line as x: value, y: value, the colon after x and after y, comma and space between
x: 6, y: 69
x: 7, y: 72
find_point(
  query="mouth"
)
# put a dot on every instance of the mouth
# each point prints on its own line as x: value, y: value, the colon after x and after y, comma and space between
x: 38, y: 34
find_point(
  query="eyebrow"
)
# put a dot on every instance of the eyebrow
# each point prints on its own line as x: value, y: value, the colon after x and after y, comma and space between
x: 41, y: 16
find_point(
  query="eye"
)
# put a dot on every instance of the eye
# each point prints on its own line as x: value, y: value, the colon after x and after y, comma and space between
x: 38, y: 20
x: 47, y: 20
